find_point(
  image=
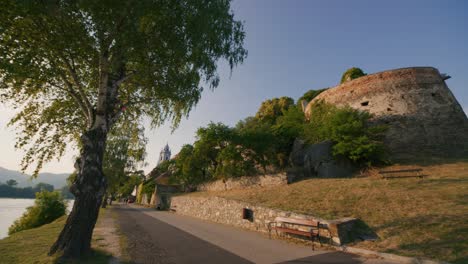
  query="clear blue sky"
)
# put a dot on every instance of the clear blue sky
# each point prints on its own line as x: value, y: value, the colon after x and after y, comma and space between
x: 295, y: 46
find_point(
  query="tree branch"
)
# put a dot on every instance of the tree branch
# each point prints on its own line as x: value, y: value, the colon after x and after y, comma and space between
x: 76, y: 80
x: 76, y: 97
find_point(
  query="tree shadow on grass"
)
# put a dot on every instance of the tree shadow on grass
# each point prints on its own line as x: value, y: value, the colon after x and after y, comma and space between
x: 434, y: 236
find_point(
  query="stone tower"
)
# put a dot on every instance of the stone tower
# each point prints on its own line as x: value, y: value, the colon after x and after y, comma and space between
x: 165, y: 154
x: 423, y: 117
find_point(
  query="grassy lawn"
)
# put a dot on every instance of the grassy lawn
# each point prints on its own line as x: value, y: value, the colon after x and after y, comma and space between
x: 412, y: 217
x: 31, y: 246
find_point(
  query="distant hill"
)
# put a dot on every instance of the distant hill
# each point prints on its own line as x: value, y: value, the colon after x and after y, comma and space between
x: 58, y: 180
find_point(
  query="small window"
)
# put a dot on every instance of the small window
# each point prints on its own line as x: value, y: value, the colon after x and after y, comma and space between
x: 366, y: 103
x: 389, y: 109
x: 433, y: 94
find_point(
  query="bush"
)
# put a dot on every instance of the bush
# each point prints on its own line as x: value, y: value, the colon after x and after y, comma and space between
x: 351, y: 74
x: 47, y: 207
x: 309, y: 96
x: 350, y: 131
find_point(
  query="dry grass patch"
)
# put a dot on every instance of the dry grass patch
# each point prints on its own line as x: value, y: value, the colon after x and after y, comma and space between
x: 413, y: 217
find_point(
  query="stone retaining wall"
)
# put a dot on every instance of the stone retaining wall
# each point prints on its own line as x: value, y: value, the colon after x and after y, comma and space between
x: 229, y: 212
x: 246, y: 182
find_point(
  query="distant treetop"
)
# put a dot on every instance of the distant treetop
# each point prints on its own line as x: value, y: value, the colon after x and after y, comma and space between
x: 351, y: 74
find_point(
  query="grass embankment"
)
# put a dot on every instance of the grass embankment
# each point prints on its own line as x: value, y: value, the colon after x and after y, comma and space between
x: 412, y: 217
x: 31, y: 246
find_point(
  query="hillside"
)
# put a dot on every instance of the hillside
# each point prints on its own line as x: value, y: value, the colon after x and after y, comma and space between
x: 58, y: 180
x: 413, y: 217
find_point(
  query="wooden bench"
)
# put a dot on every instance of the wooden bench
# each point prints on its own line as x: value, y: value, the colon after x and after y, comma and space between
x: 391, y: 174
x: 287, y: 225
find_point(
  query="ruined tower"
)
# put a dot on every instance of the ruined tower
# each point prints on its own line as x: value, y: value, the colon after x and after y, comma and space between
x: 423, y: 117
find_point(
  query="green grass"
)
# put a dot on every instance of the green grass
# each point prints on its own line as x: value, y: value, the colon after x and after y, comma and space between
x: 31, y: 246
x: 423, y: 218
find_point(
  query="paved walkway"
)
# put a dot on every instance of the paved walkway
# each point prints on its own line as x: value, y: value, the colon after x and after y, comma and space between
x: 163, y: 237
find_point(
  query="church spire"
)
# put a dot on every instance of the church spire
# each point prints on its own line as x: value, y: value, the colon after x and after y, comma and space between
x: 165, y: 154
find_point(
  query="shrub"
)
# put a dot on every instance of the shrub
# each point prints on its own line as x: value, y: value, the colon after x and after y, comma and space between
x: 350, y: 131
x: 309, y: 96
x: 351, y: 74
x: 47, y: 207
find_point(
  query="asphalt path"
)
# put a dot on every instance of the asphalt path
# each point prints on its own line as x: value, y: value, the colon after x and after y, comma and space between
x: 163, y: 237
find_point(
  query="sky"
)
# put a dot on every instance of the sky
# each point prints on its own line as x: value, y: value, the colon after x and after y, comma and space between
x: 295, y: 46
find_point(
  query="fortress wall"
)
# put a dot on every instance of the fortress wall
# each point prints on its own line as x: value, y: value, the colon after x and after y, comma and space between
x: 423, y: 116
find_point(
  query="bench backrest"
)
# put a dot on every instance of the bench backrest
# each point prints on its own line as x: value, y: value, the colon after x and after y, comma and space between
x: 296, y: 221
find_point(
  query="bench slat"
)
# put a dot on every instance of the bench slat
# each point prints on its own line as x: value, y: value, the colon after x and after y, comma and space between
x: 400, y: 171
x: 294, y: 231
x: 296, y: 221
x: 405, y: 176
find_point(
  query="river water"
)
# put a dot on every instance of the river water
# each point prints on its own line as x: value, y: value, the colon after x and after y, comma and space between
x: 12, y: 209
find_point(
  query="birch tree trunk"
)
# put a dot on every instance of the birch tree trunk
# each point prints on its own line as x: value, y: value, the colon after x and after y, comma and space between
x: 88, y: 188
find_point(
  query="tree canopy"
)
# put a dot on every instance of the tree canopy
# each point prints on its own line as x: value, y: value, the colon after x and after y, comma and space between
x: 73, y: 68
x: 68, y: 66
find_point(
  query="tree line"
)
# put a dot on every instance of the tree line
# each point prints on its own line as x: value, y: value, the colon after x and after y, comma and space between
x: 10, y: 189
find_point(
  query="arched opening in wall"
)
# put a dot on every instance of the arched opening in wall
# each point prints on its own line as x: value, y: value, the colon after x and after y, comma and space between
x: 365, y: 103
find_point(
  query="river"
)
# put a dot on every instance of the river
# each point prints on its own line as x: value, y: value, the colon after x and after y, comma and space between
x: 11, y: 209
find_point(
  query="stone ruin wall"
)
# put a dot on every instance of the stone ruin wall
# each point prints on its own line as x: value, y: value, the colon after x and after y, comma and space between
x: 246, y: 182
x: 424, y: 118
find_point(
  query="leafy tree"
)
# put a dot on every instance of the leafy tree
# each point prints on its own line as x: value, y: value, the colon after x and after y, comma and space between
x: 129, y: 183
x: 351, y: 74
x: 124, y: 151
x: 350, y: 130
x: 73, y: 68
x: 47, y: 207
x: 12, y: 183
x: 309, y: 96
x: 189, y: 168
x: 210, y: 141
x: 271, y: 109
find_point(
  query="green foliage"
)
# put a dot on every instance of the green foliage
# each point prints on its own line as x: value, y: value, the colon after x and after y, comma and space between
x: 148, y: 188
x: 350, y: 131
x: 70, y: 66
x: 47, y: 207
x: 271, y: 109
x: 309, y: 96
x: 128, y: 184
x: 351, y: 74
x: 190, y: 167
x: 125, y: 150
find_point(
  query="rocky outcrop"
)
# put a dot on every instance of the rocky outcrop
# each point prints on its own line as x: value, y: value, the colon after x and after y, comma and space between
x: 317, y: 160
